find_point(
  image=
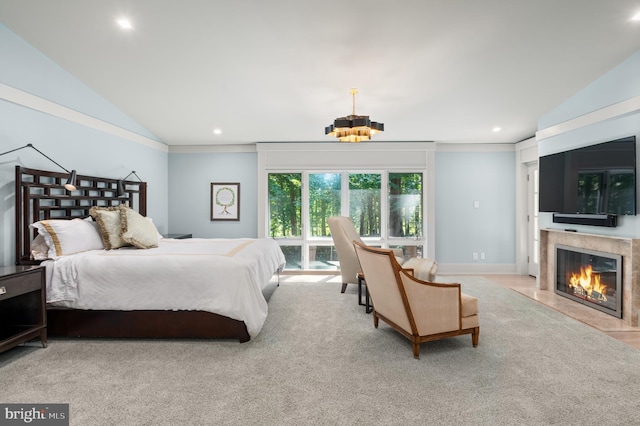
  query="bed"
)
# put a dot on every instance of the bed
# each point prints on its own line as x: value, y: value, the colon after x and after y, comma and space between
x: 181, y: 288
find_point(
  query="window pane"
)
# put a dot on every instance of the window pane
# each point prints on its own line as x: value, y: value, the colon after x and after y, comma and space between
x: 285, y: 199
x: 324, y: 202
x: 405, y: 204
x: 293, y: 257
x: 323, y: 257
x: 364, y: 203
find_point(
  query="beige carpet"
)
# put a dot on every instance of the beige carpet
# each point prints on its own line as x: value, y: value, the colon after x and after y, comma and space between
x: 320, y: 361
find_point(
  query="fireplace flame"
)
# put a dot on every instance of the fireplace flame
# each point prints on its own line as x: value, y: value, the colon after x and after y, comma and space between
x: 589, y: 283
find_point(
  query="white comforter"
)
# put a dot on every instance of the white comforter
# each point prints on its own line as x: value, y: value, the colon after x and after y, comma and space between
x: 223, y: 276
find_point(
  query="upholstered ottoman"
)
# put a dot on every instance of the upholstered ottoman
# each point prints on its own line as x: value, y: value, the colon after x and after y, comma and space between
x: 423, y: 269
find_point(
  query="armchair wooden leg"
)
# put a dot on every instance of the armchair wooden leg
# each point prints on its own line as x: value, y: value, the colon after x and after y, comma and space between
x: 344, y: 287
x: 375, y: 320
x: 416, y: 350
x: 474, y: 336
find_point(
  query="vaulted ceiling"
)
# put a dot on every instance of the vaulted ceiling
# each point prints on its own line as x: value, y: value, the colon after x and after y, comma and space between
x: 279, y: 71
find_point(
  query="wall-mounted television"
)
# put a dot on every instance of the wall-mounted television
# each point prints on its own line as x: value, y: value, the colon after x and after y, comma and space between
x: 596, y: 179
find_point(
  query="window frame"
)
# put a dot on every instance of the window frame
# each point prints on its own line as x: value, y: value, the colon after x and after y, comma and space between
x: 305, y: 241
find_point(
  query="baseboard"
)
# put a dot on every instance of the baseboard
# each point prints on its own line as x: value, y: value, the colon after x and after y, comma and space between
x: 476, y: 268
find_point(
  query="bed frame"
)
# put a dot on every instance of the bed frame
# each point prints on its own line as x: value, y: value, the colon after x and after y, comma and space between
x: 41, y: 195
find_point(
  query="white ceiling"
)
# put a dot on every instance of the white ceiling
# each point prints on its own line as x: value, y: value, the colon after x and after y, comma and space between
x: 280, y: 71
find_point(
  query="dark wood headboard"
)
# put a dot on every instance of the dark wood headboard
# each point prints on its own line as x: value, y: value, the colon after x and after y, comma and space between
x: 41, y: 195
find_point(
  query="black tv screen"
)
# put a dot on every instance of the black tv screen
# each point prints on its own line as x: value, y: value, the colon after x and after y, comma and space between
x: 596, y: 179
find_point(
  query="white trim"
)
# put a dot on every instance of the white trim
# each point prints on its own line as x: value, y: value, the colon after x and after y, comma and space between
x: 475, y: 147
x: 343, y: 146
x: 36, y: 103
x: 341, y: 156
x: 619, y: 109
x: 527, y: 151
x: 476, y: 268
x: 526, y: 154
x: 197, y: 149
x: 429, y: 249
x: 527, y: 144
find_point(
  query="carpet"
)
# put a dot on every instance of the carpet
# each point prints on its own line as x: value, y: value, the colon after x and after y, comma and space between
x: 320, y: 361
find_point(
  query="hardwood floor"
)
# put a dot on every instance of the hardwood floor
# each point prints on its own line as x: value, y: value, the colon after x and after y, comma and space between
x: 608, y: 324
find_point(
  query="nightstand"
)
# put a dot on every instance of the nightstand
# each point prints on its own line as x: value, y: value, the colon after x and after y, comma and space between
x: 23, y: 314
x: 177, y: 236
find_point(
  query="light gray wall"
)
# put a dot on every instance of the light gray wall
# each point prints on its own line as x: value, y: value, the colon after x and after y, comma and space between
x: 605, y: 114
x: 462, y: 180
x: 74, y: 143
x: 482, y: 175
x: 619, y: 84
x: 190, y: 193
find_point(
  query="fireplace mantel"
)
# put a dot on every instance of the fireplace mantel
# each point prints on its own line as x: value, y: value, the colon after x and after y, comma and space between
x: 628, y: 248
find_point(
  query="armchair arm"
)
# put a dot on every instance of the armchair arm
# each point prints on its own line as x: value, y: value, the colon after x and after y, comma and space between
x: 410, y: 271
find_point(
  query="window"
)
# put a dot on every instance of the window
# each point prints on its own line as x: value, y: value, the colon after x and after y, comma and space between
x: 324, y: 201
x: 364, y: 203
x: 405, y: 204
x: 285, y: 200
x: 301, y: 203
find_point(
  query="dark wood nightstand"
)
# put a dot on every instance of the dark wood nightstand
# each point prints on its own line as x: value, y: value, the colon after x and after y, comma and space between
x: 23, y: 314
x: 177, y: 236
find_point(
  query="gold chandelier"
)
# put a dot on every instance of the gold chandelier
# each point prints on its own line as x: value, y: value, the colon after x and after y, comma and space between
x: 353, y: 128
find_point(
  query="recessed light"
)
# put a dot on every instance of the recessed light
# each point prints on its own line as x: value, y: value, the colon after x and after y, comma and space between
x: 217, y: 131
x: 124, y: 23
x: 636, y: 17
x: 496, y: 129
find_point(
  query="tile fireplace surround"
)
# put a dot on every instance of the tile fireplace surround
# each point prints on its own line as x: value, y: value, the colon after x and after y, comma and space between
x: 628, y: 248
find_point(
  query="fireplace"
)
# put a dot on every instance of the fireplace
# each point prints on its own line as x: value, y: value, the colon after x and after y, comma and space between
x: 590, y: 277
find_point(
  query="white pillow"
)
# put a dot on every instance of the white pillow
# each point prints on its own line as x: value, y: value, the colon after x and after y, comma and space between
x: 64, y: 237
x: 137, y: 230
x: 39, y: 248
x: 151, y: 220
x: 109, y: 226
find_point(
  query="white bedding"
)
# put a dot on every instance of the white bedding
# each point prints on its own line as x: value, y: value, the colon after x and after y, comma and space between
x: 223, y: 276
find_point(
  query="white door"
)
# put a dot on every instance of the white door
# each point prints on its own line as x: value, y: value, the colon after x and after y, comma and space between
x: 533, y: 230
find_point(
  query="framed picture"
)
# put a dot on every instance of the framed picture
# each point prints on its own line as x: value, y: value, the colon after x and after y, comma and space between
x: 225, y: 201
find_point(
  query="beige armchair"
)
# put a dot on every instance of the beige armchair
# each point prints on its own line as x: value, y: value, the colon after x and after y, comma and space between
x: 344, y: 233
x: 419, y: 310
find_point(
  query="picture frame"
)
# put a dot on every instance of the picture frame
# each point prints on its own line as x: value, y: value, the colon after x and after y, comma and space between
x: 225, y: 201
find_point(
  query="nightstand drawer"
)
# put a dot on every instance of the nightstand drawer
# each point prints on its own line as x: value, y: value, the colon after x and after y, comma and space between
x: 19, y: 284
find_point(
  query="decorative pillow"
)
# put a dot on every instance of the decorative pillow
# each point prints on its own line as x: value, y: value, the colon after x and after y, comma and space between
x: 138, y: 230
x: 108, y: 219
x: 64, y: 237
x: 39, y: 248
